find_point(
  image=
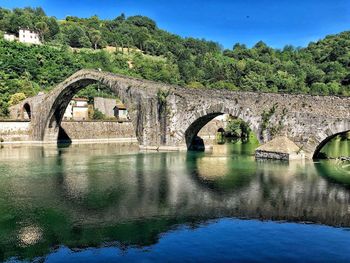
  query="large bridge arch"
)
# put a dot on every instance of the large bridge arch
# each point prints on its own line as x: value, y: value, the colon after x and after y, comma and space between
x: 64, y: 95
x: 46, y: 124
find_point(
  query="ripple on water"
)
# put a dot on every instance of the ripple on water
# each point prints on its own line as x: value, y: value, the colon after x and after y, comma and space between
x: 160, y: 206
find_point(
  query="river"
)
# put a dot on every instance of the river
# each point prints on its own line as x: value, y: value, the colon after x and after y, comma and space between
x: 108, y: 202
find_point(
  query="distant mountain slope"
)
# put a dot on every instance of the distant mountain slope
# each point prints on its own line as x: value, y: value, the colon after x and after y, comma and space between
x: 321, y: 68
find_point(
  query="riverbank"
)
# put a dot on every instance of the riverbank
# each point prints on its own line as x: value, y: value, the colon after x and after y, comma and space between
x: 85, y: 132
x: 18, y: 132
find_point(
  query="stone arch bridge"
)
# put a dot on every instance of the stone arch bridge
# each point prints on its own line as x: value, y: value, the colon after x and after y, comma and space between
x: 166, y: 115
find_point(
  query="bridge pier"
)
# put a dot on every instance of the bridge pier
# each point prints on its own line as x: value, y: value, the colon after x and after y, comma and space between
x: 51, y: 135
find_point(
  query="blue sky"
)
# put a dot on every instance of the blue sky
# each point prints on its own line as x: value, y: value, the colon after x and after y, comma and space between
x: 277, y: 23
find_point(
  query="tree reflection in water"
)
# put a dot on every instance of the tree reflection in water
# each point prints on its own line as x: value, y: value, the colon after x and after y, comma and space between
x: 89, y: 195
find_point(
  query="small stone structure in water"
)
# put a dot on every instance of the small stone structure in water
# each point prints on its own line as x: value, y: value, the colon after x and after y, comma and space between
x: 280, y: 148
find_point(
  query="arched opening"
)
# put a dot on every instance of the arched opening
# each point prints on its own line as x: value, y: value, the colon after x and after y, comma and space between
x: 335, y: 146
x: 89, y: 110
x: 193, y: 141
x: 27, y: 113
x: 217, y: 128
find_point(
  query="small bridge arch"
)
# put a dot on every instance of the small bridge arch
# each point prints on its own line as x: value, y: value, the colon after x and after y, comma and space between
x: 27, y: 112
x: 324, y: 142
x: 317, y: 141
x: 202, y: 118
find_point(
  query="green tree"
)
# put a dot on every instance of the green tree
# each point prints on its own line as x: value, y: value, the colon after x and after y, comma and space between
x: 43, y: 30
x: 319, y: 88
x: 95, y: 38
x: 54, y: 28
x: 142, y: 21
x: 320, y: 68
x: 76, y: 36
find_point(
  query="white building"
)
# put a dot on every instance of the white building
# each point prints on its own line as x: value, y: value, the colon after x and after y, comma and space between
x: 77, y: 109
x: 222, y: 117
x: 120, y: 112
x: 80, y: 113
x: 10, y: 37
x: 24, y: 36
x: 27, y: 36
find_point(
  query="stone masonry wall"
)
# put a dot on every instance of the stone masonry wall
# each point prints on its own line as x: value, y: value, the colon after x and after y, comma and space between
x: 271, y: 155
x: 81, y: 130
x: 14, y: 131
x: 106, y: 106
x: 208, y: 132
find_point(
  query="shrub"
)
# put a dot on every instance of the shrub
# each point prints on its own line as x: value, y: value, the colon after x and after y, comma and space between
x: 17, y: 98
x: 98, y: 115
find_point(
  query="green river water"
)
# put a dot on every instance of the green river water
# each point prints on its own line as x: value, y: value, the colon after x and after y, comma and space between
x: 102, y: 202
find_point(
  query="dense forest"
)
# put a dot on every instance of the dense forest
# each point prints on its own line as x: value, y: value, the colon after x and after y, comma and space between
x: 136, y: 46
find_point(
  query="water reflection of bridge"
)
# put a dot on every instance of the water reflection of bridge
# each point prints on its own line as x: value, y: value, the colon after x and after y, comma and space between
x: 94, y: 188
x: 86, y: 195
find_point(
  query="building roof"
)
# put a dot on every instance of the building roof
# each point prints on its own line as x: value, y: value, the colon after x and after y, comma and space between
x: 28, y: 29
x: 121, y: 106
x: 279, y: 144
x: 80, y: 99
